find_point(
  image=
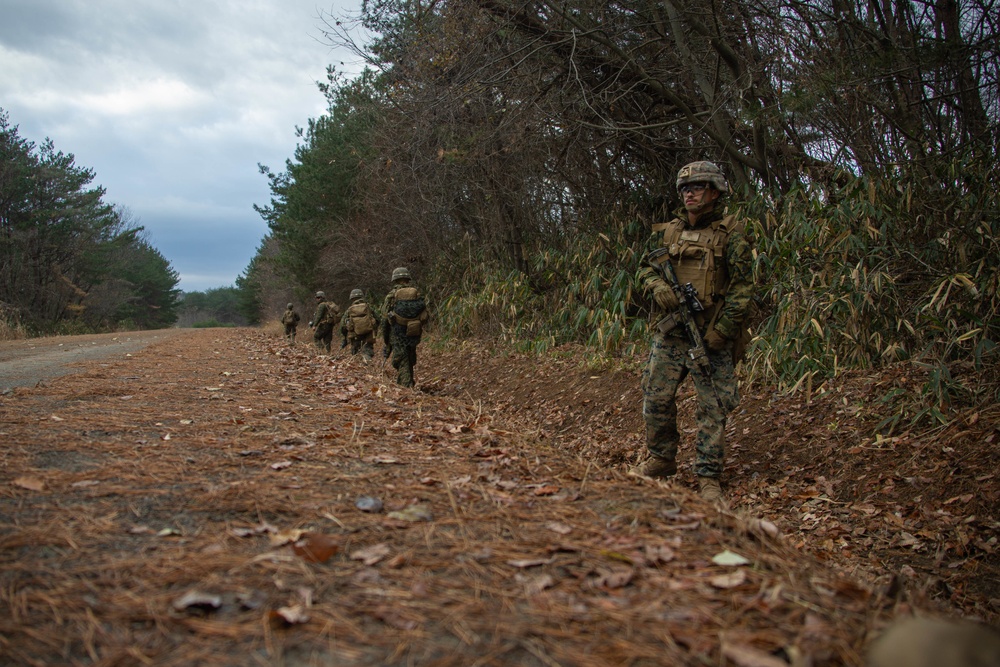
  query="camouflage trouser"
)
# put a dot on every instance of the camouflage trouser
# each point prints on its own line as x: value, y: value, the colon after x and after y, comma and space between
x: 364, y: 345
x: 667, y: 367
x: 290, y: 333
x: 404, y: 357
x: 323, y: 337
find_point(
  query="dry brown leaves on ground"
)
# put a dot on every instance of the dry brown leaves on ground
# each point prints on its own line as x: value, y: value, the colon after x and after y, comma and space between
x: 916, y: 513
x: 220, y: 498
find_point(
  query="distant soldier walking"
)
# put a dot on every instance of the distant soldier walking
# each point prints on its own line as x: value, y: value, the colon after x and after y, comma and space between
x: 358, y: 325
x: 290, y: 319
x: 711, y: 251
x: 324, y: 320
x: 405, y: 317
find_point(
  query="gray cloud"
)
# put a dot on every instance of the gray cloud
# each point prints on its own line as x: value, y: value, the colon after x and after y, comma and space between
x: 173, y: 104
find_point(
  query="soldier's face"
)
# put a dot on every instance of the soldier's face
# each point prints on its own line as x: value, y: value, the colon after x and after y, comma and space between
x: 699, y: 198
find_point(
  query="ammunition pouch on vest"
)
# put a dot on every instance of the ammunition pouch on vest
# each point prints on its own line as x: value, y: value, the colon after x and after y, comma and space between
x: 699, y: 257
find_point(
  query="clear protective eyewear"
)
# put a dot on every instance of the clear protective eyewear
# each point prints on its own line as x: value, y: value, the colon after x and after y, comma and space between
x: 696, y: 188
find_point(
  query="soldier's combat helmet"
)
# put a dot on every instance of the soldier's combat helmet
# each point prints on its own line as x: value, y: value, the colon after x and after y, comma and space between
x: 400, y: 273
x: 321, y: 294
x: 357, y: 294
x: 290, y: 306
x: 703, y: 172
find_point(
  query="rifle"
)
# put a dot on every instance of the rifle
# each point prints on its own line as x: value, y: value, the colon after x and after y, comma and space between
x: 687, y: 295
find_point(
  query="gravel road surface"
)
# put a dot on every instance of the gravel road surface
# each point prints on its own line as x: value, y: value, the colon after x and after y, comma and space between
x: 25, y: 363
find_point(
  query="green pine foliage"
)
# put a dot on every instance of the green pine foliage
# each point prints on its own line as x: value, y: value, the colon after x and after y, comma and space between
x: 69, y: 261
x: 313, y: 197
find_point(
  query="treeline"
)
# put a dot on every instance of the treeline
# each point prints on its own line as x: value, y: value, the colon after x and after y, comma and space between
x: 220, y: 306
x: 513, y: 154
x: 70, y: 262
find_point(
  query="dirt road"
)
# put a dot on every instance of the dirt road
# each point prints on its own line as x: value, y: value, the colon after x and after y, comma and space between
x: 219, y: 498
x: 24, y: 363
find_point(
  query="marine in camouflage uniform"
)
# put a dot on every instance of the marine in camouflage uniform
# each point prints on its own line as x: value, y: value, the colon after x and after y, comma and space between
x: 290, y: 319
x: 712, y: 249
x: 401, y: 331
x: 358, y: 326
x: 324, y: 319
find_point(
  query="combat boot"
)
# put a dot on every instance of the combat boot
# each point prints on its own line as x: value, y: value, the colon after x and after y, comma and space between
x: 710, y: 489
x: 655, y: 467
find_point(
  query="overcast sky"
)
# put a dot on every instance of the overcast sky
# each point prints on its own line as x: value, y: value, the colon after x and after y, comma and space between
x: 173, y: 103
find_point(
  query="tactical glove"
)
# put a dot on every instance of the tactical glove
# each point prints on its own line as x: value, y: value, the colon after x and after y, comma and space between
x: 715, y: 341
x: 665, y: 297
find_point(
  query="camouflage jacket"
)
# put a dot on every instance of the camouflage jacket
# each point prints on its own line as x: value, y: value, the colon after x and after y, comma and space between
x: 327, y: 312
x: 738, y: 262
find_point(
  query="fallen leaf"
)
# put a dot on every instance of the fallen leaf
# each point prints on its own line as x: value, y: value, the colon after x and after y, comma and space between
x: 729, y: 559
x: 371, y: 555
x: 529, y: 562
x: 30, y: 483
x: 280, y: 465
x: 747, y: 656
x: 614, y: 578
x: 167, y: 532
x: 256, y: 530
x: 763, y: 527
x: 536, y: 585
x: 295, y: 614
x: 547, y: 490
x: 412, y: 513
x: 85, y: 482
x: 557, y: 527
x: 315, y: 547
x: 286, y: 536
x: 659, y: 553
x: 197, y: 599
x: 729, y: 580
x: 56, y: 418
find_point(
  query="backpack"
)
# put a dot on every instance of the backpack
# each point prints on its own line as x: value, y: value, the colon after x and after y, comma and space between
x: 360, y: 319
x: 409, y: 303
x: 409, y: 310
x: 330, y: 314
